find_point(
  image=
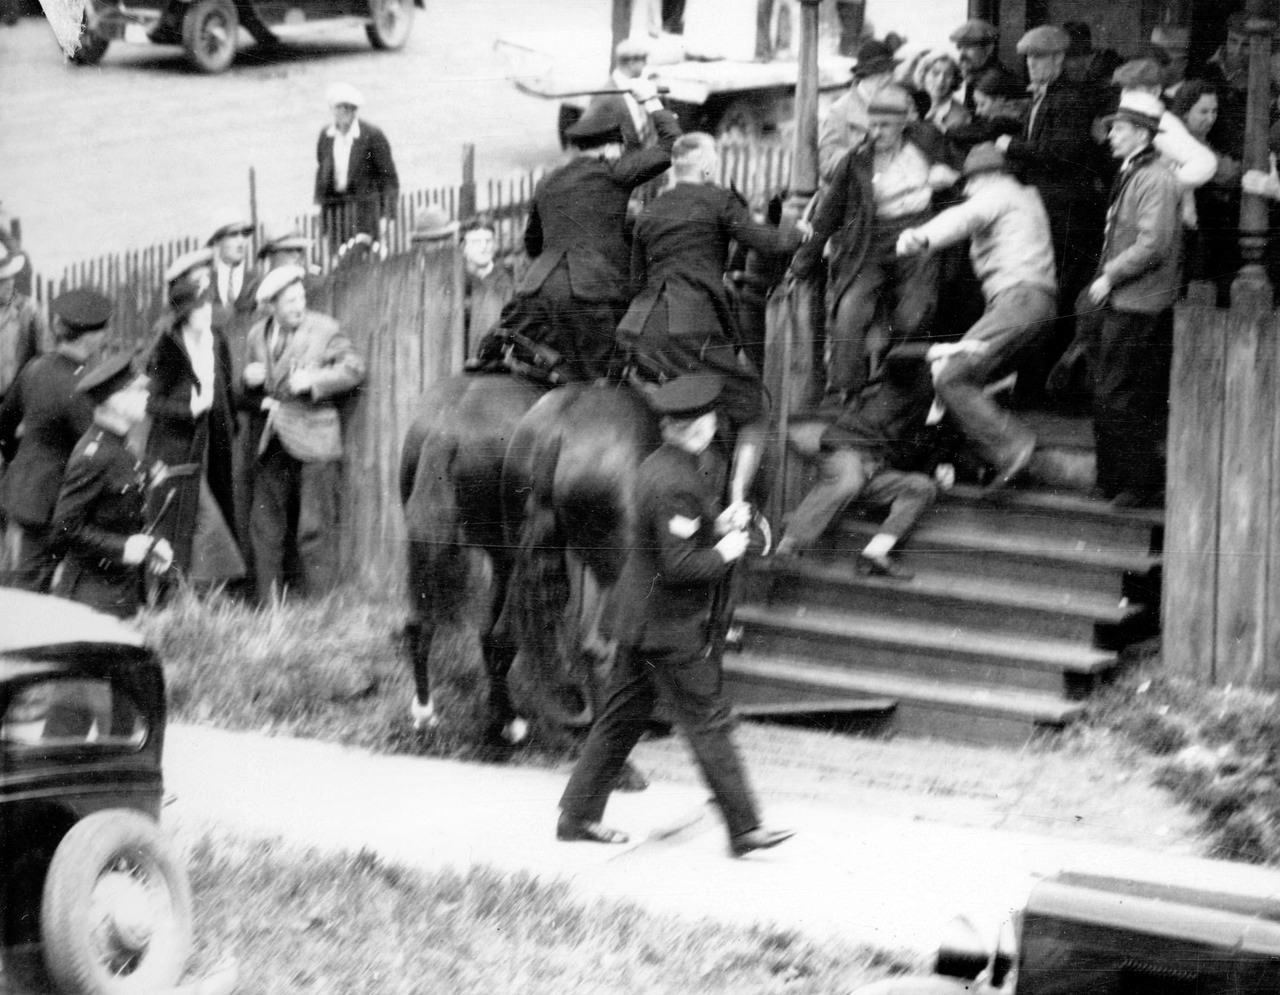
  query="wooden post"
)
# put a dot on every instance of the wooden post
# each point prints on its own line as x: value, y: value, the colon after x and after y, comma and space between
x: 804, y: 163
x: 621, y: 26
x: 253, y: 211
x: 467, y: 193
x: 1252, y: 289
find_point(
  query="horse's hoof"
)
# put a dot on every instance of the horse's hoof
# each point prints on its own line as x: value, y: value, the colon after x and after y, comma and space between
x: 515, y: 732
x: 630, y: 779
x: 423, y: 716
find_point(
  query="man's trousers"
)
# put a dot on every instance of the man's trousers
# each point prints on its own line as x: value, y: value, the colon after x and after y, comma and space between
x: 693, y: 688
x: 288, y: 491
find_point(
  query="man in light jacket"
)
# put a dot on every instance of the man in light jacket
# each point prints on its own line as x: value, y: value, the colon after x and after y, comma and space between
x: 298, y: 364
x: 1012, y: 254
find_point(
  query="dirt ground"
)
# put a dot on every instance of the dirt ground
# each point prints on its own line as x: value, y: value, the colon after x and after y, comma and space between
x: 1084, y: 786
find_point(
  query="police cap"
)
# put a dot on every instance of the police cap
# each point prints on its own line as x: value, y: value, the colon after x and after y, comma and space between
x: 1044, y: 40
x: 599, y: 125
x: 107, y: 377
x: 974, y: 32
x: 689, y: 396
x: 82, y: 310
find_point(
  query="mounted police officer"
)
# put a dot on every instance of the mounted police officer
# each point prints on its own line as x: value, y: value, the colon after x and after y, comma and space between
x: 669, y: 635
x: 99, y: 521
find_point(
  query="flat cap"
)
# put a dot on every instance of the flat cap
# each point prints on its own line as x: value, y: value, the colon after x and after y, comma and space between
x: 688, y: 396
x: 975, y: 31
x: 291, y: 242
x: 985, y: 158
x: 277, y: 280
x: 188, y: 261
x: 599, y: 125
x: 1171, y: 36
x: 82, y: 310
x: 107, y: 377
x: 234, y: 228
x: 1047, y: 39
x: 1140, y: 108
x: 1138, y: 72
x: 634, y: 46
x: 892, y: 100
x: 11, y: 265
x: 343, y: 93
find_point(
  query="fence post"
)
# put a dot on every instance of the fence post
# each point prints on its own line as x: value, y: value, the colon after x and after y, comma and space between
x: 253, y: 210
x: 467, y: 193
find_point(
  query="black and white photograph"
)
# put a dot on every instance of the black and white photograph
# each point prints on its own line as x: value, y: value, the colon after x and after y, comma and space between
x: 639, y: 496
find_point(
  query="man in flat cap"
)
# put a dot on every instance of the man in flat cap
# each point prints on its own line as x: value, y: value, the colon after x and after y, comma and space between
x: 876, y: 192
x: 1012, y: 254
x: 847, y: 123
x: 99, y: 523
x: 357, y: 186
x: 232, y: 283
x: 23, y: 334
x: 1056, y: 154
x: 577, y: 286
x: 1127, y: 334
x: 670, y: 638
x: 53, y: 416
x: 298, y: 365
x: 975, y: 42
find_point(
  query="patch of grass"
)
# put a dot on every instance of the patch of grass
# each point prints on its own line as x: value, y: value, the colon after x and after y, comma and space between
x: 303, y: 922
x: 1221, y: 752
x: 334, y: 669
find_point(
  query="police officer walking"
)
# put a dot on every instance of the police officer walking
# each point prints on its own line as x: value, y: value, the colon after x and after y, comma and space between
x: 670, y: 638
x: 99, y: 520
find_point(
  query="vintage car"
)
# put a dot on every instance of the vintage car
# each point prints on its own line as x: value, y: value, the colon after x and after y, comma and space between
x: 209, y: 30
x: 91, y: 896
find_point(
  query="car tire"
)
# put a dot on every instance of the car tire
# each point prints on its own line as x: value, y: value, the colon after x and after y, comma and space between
x: 116, y: 911
x: 390, y: 23
x: 746, y: 119
x: 90, y: 46
x: 209, y: 30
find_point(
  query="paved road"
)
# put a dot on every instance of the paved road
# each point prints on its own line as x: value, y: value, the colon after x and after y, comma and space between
x: 141, y: 148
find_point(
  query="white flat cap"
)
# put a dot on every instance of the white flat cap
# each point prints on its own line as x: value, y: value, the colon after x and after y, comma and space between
x: 186, y: 262
x: 277, y: 280
x: 343, y: 93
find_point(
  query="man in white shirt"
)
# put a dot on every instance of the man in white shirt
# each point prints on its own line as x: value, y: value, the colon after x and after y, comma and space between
x: 357, y: 186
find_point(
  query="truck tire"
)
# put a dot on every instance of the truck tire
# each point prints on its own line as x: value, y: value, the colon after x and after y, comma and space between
x: 745, y: 119
x: 390, y: 23
x: 116, y: 910
x: 209, y: 30
x: 90, y: 46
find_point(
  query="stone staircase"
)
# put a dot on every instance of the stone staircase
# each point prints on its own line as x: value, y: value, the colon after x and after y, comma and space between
x: 1018, y: 608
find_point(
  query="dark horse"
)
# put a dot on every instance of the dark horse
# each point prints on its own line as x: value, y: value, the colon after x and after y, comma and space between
x: 542, y: 484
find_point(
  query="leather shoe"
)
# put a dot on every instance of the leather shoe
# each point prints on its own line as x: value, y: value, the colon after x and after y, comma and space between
x: 758, y: 839
x: 571, y: 830
x: 1013, y: 469
x: 881, y: 566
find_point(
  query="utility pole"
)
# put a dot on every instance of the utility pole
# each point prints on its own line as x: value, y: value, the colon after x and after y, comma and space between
x: 1251, y: 286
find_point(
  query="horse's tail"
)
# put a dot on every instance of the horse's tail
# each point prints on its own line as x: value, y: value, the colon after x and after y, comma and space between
x: 438, y: 561
x: 594, y: 524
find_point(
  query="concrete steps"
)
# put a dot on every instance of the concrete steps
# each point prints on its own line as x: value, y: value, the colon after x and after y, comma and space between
x: 1018, y: 609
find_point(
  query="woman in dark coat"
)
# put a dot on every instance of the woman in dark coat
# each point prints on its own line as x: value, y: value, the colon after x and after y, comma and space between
x: 191, y: 433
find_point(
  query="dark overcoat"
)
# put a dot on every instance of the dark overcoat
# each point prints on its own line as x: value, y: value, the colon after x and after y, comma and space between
x: 372, y: 181
x: 43, y: 400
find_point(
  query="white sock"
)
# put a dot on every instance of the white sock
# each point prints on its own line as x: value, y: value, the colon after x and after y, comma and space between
x: 881, y: 545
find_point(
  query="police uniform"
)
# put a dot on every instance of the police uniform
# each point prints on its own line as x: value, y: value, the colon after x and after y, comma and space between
x: 101, y: 504
x: 52, y: 416
x: 668, y: 643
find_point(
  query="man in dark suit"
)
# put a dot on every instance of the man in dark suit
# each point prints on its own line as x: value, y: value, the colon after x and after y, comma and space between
x: 669, y: 638
x: 357, y: 187
x: 1056, y: 154
x: 682, y: 321
x: 53, y: 417
x: 231, y: 283
x: 576, y: 287
x: 630, y: 61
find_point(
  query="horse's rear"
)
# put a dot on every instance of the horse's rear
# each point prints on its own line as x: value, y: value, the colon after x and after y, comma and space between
x: 568, y: 491
x: 450, y: 477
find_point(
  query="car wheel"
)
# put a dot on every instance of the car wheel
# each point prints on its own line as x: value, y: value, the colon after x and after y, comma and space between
x: 209, y: 31
x: 90, y: 46
x: 390, y: 23
x: 744, y: 120
x: 116, y: 911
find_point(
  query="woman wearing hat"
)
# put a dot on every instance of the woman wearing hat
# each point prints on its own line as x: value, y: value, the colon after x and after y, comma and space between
x: 191, y: 434
x: 99, y: 523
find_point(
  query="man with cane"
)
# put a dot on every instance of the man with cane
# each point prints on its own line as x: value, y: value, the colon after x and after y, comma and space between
x: 670, y: 636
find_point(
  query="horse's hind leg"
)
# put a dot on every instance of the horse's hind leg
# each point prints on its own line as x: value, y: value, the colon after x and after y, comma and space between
x: 418, y: 633
x: 499, y: 651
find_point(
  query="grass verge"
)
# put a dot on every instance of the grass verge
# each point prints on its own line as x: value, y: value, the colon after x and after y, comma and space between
x: 1219, y: 750
x: 298, y: 921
